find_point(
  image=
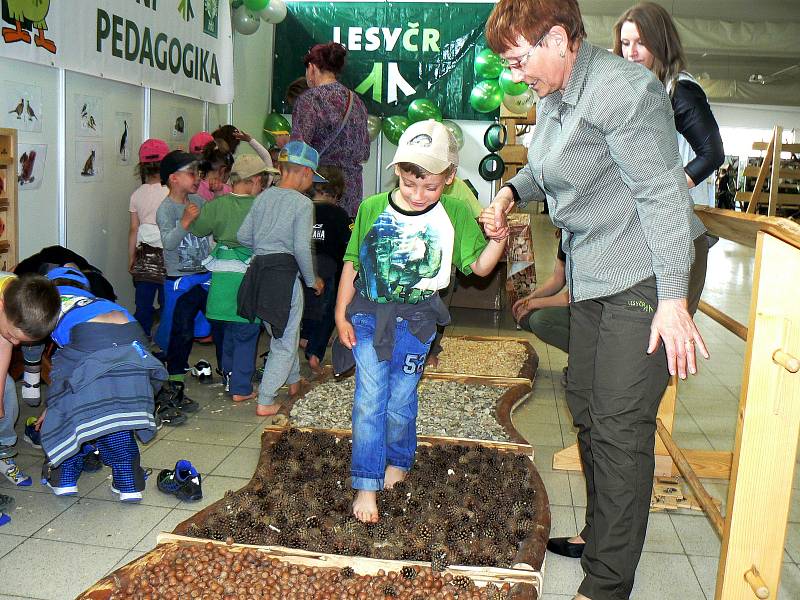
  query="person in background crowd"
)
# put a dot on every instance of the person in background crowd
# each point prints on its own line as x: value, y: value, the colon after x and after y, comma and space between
x: 236, y: 350
x: 145, y: 252
x: 604, y: 154
x: 333, y: 119
x: 278, y: 229
x: 646, y: 34
x: 329, y: 239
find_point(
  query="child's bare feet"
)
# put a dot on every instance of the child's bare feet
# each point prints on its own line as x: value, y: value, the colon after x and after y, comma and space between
x: 243, y: 398
x: 303, y: 343
x: 313, y: 362
x: 365, y: 506
x: 392, y: 476
x: 267, y: 410
x: 294, y: 388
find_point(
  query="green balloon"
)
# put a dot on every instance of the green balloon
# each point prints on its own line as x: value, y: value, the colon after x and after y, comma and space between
x: 509, y: 86
x: 488, y: 64
x: 486, y: 96
x: 454, y: 128
x: 393, y: 127
x: 373, y: 126
x: 423, y: 109
x: 255, y: 5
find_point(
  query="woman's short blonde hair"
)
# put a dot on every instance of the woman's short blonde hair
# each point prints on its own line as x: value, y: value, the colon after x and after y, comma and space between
x: 531, y: 19
x: 659, y: 35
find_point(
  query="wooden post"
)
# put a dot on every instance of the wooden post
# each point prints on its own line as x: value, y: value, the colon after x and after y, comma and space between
x: 762, y: 175
x: 769, y: 422
x: 774, y: 180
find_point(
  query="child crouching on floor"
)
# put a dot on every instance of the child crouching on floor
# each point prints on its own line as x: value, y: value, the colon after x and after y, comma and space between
x: 399, y: 256
x: 103, y: 383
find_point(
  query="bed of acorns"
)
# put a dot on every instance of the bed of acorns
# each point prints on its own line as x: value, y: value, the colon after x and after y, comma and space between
x: 461, y: 505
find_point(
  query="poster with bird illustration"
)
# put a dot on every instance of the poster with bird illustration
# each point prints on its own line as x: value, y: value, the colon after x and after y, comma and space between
x: 22, y: 106
x: 89, y: 116
x: 30, y: 165
x: 88, y: 163
x: 179, y: 124
x: 123, y: 140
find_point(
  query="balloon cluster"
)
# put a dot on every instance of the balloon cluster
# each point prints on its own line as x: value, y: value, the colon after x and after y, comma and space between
x: 246, y: 15
x: 496, y: 86
x: 420, y: 109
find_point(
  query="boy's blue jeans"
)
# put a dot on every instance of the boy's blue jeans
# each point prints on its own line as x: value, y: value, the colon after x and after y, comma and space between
x: 385, y: 403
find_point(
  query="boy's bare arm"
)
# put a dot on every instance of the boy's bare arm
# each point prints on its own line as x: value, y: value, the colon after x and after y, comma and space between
x: 489, y: 257
x: 343, y: 298
x: 6, y: 348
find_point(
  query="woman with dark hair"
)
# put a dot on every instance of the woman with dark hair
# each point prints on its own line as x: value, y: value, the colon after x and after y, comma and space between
x: 333, y: 120
x: 604, y: 155
x: 646, y: 34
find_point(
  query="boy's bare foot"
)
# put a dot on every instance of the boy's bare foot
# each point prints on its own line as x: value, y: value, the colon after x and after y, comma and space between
x: 267, y: 410
x: 432, y: 361
x: 241, y: 398
x: 365, y: 506
x: 392, y: 476
x: 313, y: 362
x: 303, y: 343
x: 577, y: 540
x: 294, y: 388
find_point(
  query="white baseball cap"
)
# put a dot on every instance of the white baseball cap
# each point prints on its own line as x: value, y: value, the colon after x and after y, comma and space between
x: 427, y: 144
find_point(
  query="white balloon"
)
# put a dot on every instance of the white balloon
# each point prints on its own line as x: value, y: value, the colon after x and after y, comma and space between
x: 244, y: 21
x: 275, y: 12
x: 520, y: 104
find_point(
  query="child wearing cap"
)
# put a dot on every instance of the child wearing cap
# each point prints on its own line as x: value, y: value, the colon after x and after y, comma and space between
x: 145, y: 252
x: 103, y: 381
x: 400, y: 254
x: 278, y: 229
x: 236, y: 351
x: 187, y: 280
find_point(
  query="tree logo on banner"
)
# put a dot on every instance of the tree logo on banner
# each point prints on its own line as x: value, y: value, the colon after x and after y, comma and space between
x: 185, y: 9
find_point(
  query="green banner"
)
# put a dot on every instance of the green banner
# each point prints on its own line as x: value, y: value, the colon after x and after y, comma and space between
x: 397, y: 52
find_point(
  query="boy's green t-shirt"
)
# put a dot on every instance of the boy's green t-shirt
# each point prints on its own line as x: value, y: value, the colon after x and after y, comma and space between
x: 222, y: 217
x: 406, y: 257
x: 459, y: 189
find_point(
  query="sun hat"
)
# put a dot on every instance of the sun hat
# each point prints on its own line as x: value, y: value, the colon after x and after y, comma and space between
x: 427, y: 144
x: 153, y: 150
x: 300, y: 153
x: 247, y: 165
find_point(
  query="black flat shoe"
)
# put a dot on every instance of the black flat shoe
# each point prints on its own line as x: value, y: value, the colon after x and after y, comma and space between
x: 563, y: 547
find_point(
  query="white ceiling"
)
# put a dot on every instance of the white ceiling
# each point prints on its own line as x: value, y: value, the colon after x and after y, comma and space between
x: 728, y: 10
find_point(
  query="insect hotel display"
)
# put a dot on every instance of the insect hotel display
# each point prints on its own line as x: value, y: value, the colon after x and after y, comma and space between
x: 8, y: 199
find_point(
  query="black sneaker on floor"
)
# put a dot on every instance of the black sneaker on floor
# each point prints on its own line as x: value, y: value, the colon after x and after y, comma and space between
x: 183, y: 481
x: 180, y: 400
x: 170, y: 416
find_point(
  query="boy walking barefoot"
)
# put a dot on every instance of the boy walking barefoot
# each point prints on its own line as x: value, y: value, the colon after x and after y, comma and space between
x: 399, y: 256
x: 278, y: 229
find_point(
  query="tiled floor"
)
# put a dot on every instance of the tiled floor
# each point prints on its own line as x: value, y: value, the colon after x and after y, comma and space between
x: 56, y: 547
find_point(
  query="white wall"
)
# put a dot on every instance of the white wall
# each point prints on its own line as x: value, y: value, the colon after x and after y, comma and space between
x: 756, y: 117
x: 97, y: 208
x: 38, y: 209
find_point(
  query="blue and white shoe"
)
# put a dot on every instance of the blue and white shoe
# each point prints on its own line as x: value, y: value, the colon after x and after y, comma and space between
x: 12, y: 472
x: 127, y: 496
x: 183, y: 481
x: 33, y: 437
x: 51, y: 477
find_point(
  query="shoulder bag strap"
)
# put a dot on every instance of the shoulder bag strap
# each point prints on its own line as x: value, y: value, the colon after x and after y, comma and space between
x: 347, y: 112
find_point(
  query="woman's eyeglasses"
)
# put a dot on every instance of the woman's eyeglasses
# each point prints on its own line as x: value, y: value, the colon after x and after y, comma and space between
x: 519, y: 63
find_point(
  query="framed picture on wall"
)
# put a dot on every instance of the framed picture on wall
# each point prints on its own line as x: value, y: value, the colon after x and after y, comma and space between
x: 123, y: 139
x: 88, y: 161
x: 30, y: 168
x: 89, y: 116
x: 22, y: 106
x: 180, y: 124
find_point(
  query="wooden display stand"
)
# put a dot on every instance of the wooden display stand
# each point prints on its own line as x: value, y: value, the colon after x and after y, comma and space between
x: 514, y: 154
x: 762, y: 464
x: 776, y: 171
x: 9, y: 246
